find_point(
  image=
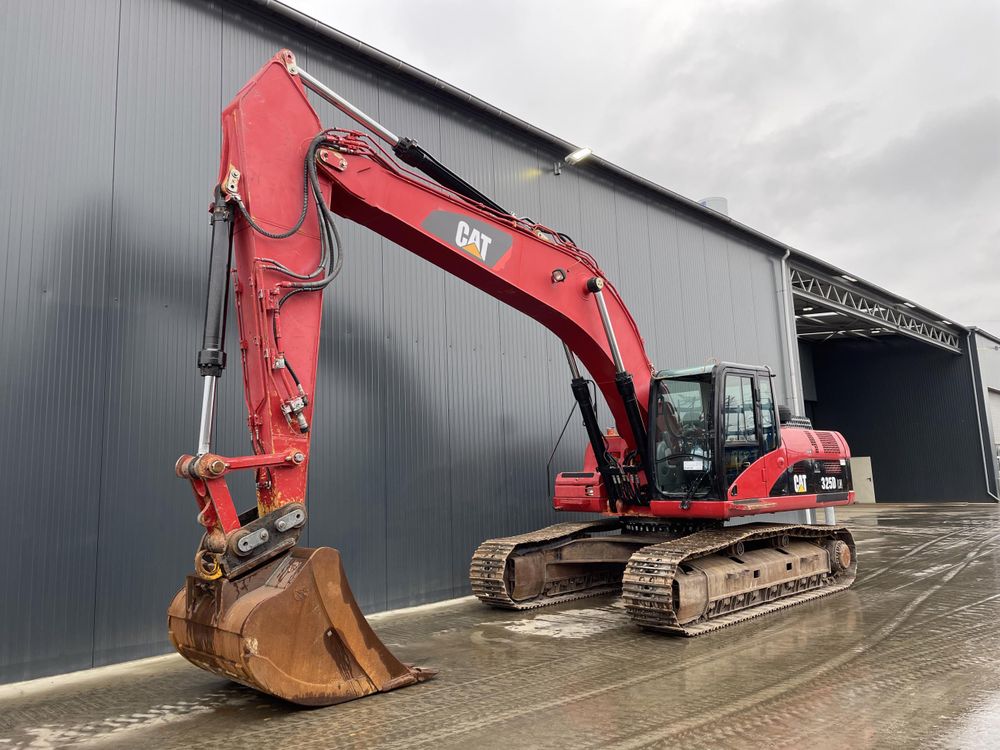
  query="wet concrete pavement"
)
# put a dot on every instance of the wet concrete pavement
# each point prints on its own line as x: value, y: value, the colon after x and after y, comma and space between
x: 909, y: 657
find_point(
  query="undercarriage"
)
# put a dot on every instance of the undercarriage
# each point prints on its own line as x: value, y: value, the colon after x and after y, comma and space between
x: 681, y: 579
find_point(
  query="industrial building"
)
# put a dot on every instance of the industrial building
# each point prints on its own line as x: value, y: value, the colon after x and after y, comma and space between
x: 433, y: 398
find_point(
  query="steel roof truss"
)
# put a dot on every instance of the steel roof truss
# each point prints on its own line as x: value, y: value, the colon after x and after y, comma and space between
x: 856, y: 304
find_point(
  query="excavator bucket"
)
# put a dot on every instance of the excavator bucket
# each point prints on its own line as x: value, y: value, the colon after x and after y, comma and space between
x: 290, y: 628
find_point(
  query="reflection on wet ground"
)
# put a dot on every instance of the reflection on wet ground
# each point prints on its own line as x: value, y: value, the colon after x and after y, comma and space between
x: 906, y: 658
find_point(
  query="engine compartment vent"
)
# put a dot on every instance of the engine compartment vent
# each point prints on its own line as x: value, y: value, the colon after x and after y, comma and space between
x: 832, y: 467
x: 829, y: 442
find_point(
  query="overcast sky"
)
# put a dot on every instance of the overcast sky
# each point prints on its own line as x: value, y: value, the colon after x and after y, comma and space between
x: 865, y: 133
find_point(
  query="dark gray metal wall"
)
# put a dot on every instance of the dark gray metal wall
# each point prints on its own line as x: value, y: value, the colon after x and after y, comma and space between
x: 437, y: 406
x: 911, y: 407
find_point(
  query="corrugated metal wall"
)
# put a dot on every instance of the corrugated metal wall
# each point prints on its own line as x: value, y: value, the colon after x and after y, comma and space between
x: 437, y: 406
x: 988, y: 368
x: 909, y: 406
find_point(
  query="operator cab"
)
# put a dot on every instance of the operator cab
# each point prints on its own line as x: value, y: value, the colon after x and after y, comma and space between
x: 708, y: 425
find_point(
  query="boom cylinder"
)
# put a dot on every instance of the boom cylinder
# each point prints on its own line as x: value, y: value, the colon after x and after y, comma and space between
x: 581, y: 392
x: 574, y: 367
x: 596, y: 287
x: 610, y: 474
x: 625, y: 386
x: 623, y: 379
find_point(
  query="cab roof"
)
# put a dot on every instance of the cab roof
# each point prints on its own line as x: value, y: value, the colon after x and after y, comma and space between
x: 691, y: 372
x: 687, y: 372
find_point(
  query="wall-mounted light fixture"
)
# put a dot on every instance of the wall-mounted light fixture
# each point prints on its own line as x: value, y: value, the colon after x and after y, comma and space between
x: 571, y: 160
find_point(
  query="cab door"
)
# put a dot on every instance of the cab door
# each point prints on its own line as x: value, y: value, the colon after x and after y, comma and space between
x: 774, y: 463
x: 739, y: 422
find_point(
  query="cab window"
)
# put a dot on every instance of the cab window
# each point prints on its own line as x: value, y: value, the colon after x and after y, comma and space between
x: 768, y: 423
x: 683, y: 438
x: 738, y: 411
x: 740, y: 445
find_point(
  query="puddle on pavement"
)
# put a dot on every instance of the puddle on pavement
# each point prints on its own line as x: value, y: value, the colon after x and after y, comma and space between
x: 53, y: 735
x: 571, y: 623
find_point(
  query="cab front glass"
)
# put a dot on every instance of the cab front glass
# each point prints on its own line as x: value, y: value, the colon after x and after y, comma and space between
x: 683, y: 436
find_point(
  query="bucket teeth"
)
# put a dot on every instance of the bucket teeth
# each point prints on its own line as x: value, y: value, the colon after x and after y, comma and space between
x: 290, y: 628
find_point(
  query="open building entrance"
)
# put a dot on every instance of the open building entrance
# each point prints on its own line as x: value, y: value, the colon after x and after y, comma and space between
x: 897, y: 382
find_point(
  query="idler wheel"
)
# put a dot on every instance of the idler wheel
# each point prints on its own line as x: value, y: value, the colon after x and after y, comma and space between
x: 840, y: 556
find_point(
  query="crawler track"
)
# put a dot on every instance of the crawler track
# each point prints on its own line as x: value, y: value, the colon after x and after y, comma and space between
x: 648, y: 584
x: 488, y: 570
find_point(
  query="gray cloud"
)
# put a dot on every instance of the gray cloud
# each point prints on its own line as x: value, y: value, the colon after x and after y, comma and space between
x: 865, y: 133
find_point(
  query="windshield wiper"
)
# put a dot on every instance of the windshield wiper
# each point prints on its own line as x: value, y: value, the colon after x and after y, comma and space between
x: 686, y: 502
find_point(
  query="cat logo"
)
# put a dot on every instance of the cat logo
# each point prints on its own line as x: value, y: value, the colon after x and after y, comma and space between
x: 472, y: 240
x: 483, y: 242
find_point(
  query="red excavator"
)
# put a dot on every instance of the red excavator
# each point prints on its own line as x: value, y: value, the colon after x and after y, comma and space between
x: 692, y: 448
